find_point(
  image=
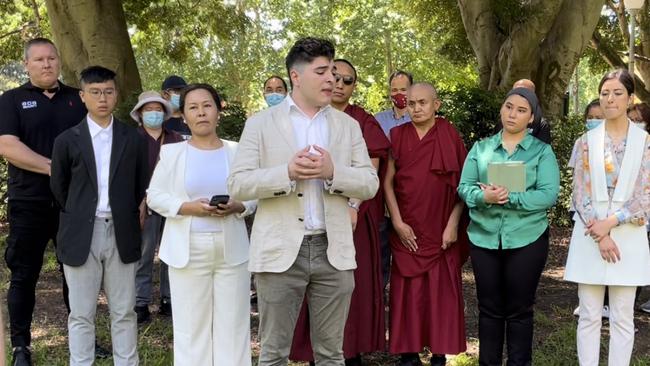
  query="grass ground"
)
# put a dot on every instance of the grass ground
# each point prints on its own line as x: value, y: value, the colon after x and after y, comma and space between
x: 554, y: 342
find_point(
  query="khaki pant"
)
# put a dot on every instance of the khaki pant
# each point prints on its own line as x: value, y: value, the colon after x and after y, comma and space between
x: 103, y: 267
x: 280, y: 297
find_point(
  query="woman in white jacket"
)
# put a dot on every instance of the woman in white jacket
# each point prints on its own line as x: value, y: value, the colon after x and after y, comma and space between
x: 609, y: 245
x: 204, y: 243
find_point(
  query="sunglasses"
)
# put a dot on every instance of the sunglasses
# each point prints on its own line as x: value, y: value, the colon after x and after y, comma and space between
x: 347, y: 80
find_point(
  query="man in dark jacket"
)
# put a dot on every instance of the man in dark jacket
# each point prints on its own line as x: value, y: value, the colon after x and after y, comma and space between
x: 99, y: 179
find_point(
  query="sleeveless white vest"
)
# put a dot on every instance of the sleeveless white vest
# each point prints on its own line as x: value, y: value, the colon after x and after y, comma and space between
x: 584, y: 263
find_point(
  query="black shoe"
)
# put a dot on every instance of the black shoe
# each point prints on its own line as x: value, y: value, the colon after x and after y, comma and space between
x: 354, y: 361
x: 102, y: 353
x: 438, y: 360
x: 143, y: 314
x: 165, y: 308
x: 22, y: 356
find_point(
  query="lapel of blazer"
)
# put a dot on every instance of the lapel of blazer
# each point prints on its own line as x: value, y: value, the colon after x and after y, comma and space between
x: 282, y: 122
x: 333, y: 128
x: 118, y: 144
x: 85, y: 143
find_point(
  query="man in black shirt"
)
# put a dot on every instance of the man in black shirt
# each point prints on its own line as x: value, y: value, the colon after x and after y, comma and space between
x: 171, y: 88
x: 31, y: 116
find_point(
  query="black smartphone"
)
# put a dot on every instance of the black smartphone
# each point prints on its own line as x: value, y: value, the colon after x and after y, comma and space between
x: 219, y: 199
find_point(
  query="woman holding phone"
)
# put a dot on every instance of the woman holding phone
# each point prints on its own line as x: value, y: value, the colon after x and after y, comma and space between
x: 508, y: 231
x: 609, y: 245
x: 204, y: 242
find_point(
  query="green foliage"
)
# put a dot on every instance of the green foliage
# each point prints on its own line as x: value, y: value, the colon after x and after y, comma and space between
x: 21, y: 21
x: 232, y: 122
x: 565, y: 132
x: 474, y: 112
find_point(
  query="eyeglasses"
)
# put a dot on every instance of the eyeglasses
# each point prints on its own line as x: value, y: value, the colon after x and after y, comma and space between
x: 347, y: 79
x: 97, y: 93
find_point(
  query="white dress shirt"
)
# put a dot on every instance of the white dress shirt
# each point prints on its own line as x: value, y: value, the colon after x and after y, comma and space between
x: 310, y: 131
x: 102, y: 139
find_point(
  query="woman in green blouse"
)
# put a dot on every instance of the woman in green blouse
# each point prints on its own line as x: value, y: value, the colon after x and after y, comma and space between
x: 509, y: 230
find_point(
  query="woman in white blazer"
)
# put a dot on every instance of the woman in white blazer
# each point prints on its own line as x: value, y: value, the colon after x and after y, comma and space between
x: 205, y: 246
x: 609, y: 245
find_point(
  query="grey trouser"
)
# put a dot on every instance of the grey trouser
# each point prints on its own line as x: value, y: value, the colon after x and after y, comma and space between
x: 103, y: 263
x: 151, y: 234
x: 280, y: 297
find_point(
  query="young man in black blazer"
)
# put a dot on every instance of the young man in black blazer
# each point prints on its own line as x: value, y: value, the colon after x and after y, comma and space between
x: 99, y: 179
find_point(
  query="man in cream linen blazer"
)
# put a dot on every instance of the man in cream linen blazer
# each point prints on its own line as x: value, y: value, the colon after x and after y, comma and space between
x: 291, y: 257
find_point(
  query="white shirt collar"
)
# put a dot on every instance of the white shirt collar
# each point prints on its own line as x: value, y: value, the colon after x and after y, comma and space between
x: 291, y: 105
x: 95, y: 128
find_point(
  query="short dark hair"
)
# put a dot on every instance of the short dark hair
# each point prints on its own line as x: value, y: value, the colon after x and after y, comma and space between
x: 95, y: 74
x: 284, y: 83
x: 593, y: 103
x: 349, y: 64
x: 305, y: 50
x: 37, y: 41
x: 621, y: 75
x: 397, y: 73
x: 207, y: 87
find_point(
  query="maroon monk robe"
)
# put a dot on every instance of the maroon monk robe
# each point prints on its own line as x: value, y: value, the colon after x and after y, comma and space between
x: 365, y: 327
x: 426, y: 298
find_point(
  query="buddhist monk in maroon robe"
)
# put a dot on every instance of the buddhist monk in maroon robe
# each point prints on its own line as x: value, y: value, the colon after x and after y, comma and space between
x: 365, y: 328
x: 429, y: 240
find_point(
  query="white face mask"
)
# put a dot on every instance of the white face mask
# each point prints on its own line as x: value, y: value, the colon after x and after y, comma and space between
x: 593, y: 123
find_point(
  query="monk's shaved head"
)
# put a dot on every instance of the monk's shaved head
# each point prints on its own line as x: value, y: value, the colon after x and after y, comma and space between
x: 524, y: 83
x: 423, y: 85
x: 422, y: 103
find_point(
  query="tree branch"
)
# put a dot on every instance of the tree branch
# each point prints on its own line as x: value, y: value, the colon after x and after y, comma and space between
x: 36, y: 13
x: 612, y: 57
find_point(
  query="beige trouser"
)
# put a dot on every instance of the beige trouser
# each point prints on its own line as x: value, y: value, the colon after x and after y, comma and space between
x: 621, y: 324
x: 103, y: 267
x: 280, y: 297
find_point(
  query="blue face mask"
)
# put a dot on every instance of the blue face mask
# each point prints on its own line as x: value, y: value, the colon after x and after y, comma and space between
x: 153, y: 119
x: 175, y: 101
x: 273, y: 98
x: 593, y: 123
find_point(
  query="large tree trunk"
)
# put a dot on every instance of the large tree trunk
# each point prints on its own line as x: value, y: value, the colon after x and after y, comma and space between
x: 94, y: 33
x: 545, y: 47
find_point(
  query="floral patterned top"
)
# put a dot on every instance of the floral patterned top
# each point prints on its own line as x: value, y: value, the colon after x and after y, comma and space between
x: 637, y: 209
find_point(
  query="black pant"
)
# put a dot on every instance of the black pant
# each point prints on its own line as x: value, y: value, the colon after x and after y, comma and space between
x: 31, y: 226
x: 506, y: 282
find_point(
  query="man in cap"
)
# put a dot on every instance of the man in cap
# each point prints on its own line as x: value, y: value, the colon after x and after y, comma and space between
x: 171, y: 89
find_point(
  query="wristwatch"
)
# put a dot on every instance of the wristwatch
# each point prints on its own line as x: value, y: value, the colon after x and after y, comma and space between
x: 354, y: 205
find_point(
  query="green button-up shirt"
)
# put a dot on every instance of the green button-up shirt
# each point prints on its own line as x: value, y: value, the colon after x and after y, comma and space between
x: 523, y: 219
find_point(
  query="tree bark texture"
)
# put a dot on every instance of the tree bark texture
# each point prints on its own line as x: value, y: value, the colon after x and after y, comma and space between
x: 94, y: 32
x: 545, y: 46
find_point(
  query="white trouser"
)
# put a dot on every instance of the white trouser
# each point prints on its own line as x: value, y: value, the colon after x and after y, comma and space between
x: 211, y: 311
x: 119, y: 285
x: 621, y: 324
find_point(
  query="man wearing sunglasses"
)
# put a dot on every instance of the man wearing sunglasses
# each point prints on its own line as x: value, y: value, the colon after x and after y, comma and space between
x: 364, y: 330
